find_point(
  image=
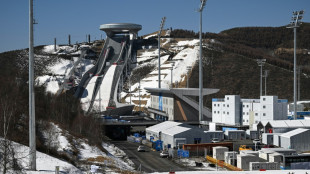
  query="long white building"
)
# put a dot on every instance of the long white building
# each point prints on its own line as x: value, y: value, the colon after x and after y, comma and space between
x: 232, y: 110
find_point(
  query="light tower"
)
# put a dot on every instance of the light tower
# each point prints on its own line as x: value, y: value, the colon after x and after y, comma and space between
x: 266, y: 75
x: 32, y: 131
x: 202, y: 5
x: 297, y: 16
x: 159, y: 33
x: 261, y: 63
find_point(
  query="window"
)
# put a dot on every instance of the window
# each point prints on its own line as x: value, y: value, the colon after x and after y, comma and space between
x: 247, y: 121
x: 256, y: 114
x: 228, y: 105
x: 218, y: 104
x: 223, y: 112
x: 264, y: 114
x: 218, y: 112
x: 224, y: 105
x: 215, y: 105
x: 247, y: 113
x: 264, y: 99
x: 242, y: 105
x: 227, y: 98
x: 243, y: 120
x: 227, y: 113
x: 243, y: 113
x: 215, y: 112
x: 247, y: 106
x: 264, y: 107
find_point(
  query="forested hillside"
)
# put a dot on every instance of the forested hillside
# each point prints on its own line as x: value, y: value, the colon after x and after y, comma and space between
x: 230, y: 61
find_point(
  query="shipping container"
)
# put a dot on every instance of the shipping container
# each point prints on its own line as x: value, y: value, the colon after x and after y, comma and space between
x: 235, y: 135
x: 218, y: 152
x: 243, y: 161
x: 264, y: 166
x: 231, y: 157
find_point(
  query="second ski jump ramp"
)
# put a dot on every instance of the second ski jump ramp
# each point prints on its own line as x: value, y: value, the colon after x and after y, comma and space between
x: 104, y: 81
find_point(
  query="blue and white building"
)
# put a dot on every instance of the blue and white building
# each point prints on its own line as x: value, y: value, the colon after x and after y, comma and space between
x: 232, y: 110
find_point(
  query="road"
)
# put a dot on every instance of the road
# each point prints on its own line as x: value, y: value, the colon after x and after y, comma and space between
x: 150, y: 160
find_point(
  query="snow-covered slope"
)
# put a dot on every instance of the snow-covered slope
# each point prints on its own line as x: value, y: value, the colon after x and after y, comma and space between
x: 64, y: 143
x: 186, y: 54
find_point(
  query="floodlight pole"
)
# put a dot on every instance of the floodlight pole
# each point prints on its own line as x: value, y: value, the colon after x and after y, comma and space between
x: 203, y: 3
x: 297, y: 16
x: 172, y: 65
x: 159, y: 33
x: 188, y: 68
x: 261, y: 63
x: 32, y: 132
x: 266, y: 75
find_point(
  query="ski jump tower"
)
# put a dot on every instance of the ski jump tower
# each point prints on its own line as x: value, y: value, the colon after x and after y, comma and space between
x: 105, y: 79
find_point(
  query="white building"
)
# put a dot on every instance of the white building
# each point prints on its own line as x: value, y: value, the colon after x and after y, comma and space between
x: 233, y: 110
x: 175, y: 134
x: 297, y: 139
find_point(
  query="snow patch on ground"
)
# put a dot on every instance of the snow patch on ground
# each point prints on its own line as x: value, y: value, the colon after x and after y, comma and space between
x: 188, y: 42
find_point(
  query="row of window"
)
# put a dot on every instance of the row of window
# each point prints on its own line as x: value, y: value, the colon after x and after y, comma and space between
x: 256, y: 114
x: 219, y: 105
x: 219, y: 112
x: 246, y: 121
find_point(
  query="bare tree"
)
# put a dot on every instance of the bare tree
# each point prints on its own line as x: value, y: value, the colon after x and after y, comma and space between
x: 7, y: 153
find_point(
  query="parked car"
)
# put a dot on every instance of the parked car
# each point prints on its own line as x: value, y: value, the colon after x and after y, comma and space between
x: 164, y: 154
x: 215, y: 140
x: 141, y: 149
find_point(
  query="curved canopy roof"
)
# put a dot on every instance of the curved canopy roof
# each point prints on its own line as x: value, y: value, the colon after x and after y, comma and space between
x: 120, y: 27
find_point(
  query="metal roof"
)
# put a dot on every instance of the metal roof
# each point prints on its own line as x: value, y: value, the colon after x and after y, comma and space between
x: 288, y: 123
x: 162, y: 126
x: 175, y: 130
x: 183, y: 91
x: 294, y: 132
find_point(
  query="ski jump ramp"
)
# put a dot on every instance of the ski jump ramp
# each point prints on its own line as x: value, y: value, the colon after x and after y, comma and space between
x: 100, y: 87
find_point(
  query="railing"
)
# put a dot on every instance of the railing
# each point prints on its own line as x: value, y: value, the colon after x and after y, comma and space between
x: 222, y: 164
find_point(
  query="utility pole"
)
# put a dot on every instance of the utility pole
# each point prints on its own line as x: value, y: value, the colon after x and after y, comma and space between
x: 32, y: 132
x: 266, y: 75
x: 159, y: 33
x: 297, y: 16
x: 261, y: 63
x: 298, y: 85
x: 140, y: 95
x: 55, y: 44
x: 89, y: 38
x: 69, y: 39
x: 188, y: 68
x: 130, y: 88
x: 202, y: 5
x: 172, y: 65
